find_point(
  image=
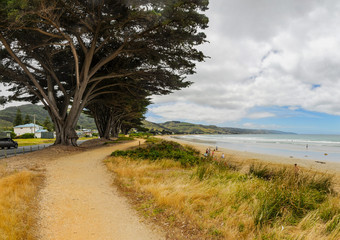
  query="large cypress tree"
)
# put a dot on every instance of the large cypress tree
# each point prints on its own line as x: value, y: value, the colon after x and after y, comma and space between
x: 59, y: 52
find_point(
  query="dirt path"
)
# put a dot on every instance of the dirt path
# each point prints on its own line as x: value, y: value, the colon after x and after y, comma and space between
x: 79, y: 202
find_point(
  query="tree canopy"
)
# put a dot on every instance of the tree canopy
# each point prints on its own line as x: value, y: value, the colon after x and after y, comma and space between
x: 66, y: 53
x: 18, y: 118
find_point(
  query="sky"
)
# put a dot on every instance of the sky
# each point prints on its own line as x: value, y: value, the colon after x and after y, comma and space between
x: 273, y: 65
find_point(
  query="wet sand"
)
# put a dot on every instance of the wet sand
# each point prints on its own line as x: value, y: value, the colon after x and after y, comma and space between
x: 240, y: 156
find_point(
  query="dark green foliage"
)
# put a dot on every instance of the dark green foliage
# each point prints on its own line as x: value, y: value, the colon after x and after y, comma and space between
x: 153, y: 140
x: 26, y: 135
x: 13, y: 135
x: 27, y: 119
x: 140, y: 135
x: 18, y: 118
x: 123, y: 138
x: 48, y: 125
x: 164, y: 149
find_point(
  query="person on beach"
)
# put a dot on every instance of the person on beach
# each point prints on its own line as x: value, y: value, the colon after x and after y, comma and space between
x: 306, y: 146
x: 216, y: 148
x: 296, y: 169
x: 222, y: 156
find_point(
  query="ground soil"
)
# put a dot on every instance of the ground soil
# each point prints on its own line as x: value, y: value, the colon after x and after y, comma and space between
x: 78, y: 200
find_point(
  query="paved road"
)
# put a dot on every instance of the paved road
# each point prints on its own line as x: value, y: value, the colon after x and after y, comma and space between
x: 22, y: 150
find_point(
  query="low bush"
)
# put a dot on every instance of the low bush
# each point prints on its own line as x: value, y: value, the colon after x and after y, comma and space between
x: 26, y: 135
x: 141, y: 135
x: 163, y: 149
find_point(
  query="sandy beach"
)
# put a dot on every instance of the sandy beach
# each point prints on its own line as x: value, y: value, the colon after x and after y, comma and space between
x: 248, y: 157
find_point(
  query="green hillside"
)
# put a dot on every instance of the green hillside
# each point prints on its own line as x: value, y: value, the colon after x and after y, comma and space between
x: 7, y: 115
x: 154, y: 126
x: 5, y: 124
x: 190, y: 128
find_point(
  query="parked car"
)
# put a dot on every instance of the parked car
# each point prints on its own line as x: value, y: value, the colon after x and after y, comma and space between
x: 8, y: 143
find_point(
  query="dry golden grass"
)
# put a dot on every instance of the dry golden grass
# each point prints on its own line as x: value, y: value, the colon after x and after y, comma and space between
x: 223, y: 204
x: 18, y: 192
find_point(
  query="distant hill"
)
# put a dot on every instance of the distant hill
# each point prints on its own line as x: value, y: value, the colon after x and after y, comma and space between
x: 7, y: 116
x: 190, y: 128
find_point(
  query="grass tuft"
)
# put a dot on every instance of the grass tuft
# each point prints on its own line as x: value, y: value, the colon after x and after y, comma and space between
x: 18, y: 193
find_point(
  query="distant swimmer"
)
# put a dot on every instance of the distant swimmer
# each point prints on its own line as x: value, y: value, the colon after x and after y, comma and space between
x: 306, y: 146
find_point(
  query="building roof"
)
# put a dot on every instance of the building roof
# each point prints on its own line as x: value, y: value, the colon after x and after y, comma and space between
x: 41, y: 130
x: 28, y: 125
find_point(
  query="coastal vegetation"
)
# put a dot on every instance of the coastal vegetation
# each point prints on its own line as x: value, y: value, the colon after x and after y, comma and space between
x: 215, y: 198
x: 18, y: 198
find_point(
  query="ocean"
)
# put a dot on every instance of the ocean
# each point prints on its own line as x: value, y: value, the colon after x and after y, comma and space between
x: 305, y: 146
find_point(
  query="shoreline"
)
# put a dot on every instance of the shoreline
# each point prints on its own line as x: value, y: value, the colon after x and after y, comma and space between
x: 248, y: 157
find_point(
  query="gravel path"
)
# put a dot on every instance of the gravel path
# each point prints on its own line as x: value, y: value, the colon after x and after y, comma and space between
x: 79, y: 202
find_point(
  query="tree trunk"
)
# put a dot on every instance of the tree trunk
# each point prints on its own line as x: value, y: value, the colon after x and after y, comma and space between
x: 103, y: 119
x: 125, y: 130
x: 116, y: 126
x: 65, y: 135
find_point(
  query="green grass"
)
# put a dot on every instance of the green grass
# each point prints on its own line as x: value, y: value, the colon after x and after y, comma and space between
x: 33, y: 141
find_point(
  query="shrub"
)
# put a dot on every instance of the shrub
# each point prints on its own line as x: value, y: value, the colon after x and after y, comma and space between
x: 13, y: 135
x: 141, y: 135
x: 163, y: 149
x: 26, y: 135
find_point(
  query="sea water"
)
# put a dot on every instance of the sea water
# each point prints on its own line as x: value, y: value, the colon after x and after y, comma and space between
x: 306, y: 146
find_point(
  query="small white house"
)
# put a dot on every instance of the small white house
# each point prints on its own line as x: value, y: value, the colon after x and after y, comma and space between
x: 38, y: 132
x: 27, y: 128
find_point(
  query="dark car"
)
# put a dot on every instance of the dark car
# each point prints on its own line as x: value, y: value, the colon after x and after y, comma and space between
x: 8, y: 143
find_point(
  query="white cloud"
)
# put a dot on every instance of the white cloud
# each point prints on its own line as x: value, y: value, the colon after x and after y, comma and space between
x: 263, y: 53
x: 260, y: 115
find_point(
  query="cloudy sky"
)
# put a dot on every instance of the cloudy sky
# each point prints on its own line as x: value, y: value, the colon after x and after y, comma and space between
x: 273, y: 64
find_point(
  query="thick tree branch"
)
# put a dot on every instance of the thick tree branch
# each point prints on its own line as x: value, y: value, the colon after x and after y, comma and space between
x: 29, y: 74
